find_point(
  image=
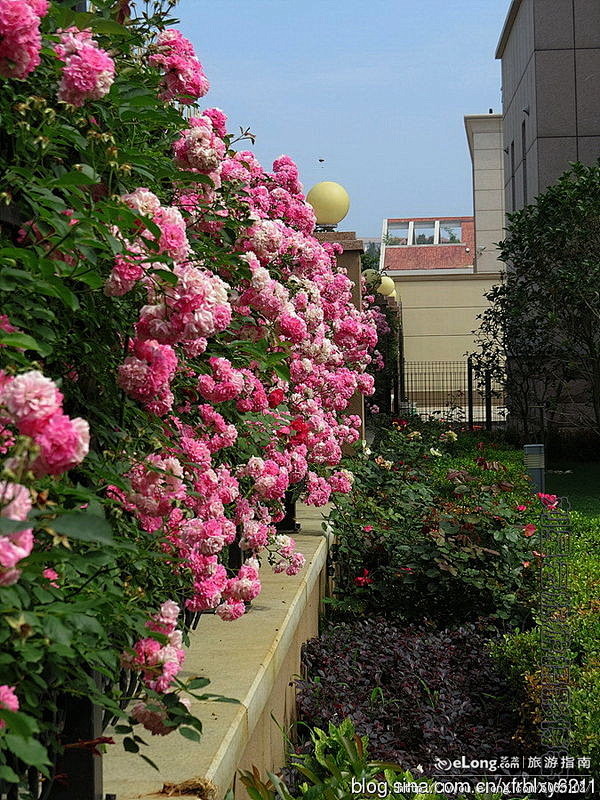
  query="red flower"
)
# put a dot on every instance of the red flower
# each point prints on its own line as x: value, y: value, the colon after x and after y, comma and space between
x: 549, y: 500
x: 367, y: 528
x: 276, y: 397
x: 406, y: 569
x: 301, y: 428
x: 529, y: 530
x: 363, y: 580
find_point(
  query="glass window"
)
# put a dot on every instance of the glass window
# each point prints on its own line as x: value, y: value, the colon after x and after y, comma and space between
x: 397, y: 233
x: 450, y: 232
x: 424, y: 233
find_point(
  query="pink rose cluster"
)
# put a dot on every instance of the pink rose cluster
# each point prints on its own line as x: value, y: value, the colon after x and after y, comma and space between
x: 187, y: 312
x: 240, y: 590
x: 158, y: 664
x: 146, y: 374
x: 15, y: 503
x: 88, y: 71
x: 34, y: 406
x: 241, y: 385
x: 20, y: 38
x: 131, y: 266
x: 549, y: 501
x: 200, y: 147
x: 288, y: 560
x: 172, y: 241
x: 183, y: 77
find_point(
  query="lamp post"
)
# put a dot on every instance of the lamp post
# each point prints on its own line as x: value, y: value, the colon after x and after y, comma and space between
x: 330, y: 203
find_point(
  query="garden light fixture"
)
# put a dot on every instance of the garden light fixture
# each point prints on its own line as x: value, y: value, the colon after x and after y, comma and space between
x: 330, y: 202
x: 387, y: 286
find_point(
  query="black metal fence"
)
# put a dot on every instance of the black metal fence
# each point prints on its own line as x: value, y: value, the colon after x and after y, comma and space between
x: 451, y: 390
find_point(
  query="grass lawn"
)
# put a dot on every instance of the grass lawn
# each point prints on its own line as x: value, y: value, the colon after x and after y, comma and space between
x: 581, y: 486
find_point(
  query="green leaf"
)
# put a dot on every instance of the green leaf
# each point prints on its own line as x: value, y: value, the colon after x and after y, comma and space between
x: 14, y: 525
x: 150, y: 762
x: 282, y: 371
x: 190, y: 733
x: 108, y: 27
x: 22, y: 340
x: 12, y: 278
x: 84, y: 527
x: 86, y: 623
x: 56, y: 631
x: 28, y: 750
x: 130, y: 745
x: 197, y: 683
x: 75, y: 178
x: 19, y: 723
x: 55, y: 287
x: 123, y: 729
x: 9, y: 775
x: 90, y: 278
x: 165, y: 275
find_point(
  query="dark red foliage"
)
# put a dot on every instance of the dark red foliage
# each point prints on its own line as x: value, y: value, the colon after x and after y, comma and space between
x: 418, y: 693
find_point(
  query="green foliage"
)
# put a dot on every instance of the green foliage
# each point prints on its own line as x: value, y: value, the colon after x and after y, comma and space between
x: 543, y: 319
x: 338, y: 769
x: 388, y: 346
x: 432, y: 528
x: 519, y: 653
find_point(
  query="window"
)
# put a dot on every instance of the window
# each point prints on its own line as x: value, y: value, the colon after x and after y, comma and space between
x: 450, y: 232
x: 397, y: 233
x: 424, y: 233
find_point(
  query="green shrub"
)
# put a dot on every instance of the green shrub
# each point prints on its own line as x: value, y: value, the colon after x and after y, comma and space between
x: 337, y: 769
x: 519, y: 653
x: 432, y: 528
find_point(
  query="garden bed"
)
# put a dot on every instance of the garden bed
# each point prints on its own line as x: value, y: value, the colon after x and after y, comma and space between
x: 436, y: 549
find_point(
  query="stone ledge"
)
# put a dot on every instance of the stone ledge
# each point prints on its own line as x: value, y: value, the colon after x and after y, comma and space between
x: 244, y: 660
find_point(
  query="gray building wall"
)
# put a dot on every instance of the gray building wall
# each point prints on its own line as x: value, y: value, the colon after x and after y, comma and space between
x: 550, y: 51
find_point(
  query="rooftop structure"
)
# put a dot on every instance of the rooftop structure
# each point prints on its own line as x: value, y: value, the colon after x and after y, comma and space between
x: 428, y: 243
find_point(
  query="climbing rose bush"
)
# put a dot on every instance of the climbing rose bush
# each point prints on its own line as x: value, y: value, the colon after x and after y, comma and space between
x: 178, y: 351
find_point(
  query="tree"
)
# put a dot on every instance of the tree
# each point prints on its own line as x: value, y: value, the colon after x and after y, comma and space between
x: 543, y: 322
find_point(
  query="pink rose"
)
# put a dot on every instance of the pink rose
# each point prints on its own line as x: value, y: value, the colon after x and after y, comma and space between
x: 8, y: 700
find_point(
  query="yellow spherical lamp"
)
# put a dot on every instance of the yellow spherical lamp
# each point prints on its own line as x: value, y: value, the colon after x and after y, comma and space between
x: 372, y: 278
x: 330, y: 202
x: 387, y: 286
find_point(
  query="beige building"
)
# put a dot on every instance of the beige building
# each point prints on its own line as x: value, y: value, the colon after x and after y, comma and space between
x: 441, y: 277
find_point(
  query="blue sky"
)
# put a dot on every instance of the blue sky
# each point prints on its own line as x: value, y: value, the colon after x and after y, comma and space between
x: 377, y: 88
